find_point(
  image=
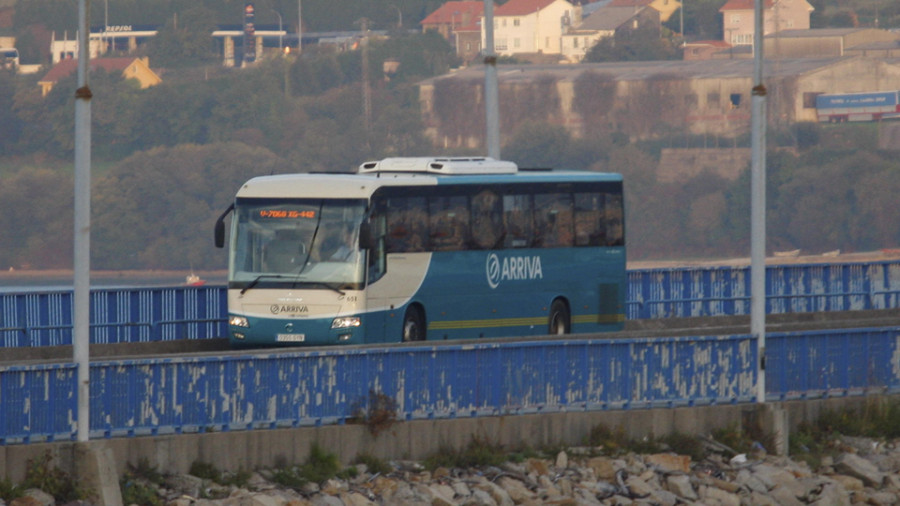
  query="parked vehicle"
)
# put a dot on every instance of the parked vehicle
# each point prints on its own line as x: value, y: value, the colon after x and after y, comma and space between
x: 838, y: 108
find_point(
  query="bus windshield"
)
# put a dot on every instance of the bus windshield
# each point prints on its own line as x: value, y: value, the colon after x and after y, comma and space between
x: 310, y: 243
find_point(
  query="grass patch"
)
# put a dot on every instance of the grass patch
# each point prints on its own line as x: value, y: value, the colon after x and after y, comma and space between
x: 373, y: 464
x: 40, y: 473
x: 320, y: 466
x: 479, y: 452
x: 615, y: 442
x: 9, y: 491
x: 811, y: 442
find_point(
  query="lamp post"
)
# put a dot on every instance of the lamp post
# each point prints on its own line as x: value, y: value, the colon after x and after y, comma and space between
x: 299, y: 26
x: 399, y: 17
x: 280, y: 36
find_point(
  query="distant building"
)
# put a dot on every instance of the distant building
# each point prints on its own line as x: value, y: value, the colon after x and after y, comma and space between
x: 460, y: 23
x: 706, y: 49
x: 665, y: 7
x: 608, y: 21
x: 778, y: 15
x: 645, y: 99
x: 119, y: 39
x: 535, y: 27
x: 831, y: 42
x: 131, y: 68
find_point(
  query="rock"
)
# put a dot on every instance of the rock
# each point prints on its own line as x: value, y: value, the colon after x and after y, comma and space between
x: 562, y: 460
x: 719, y: 496
x: 517, y: 490
x: 669, y: 462
x: 858, y: 467
x: 356, y: 499
x: 461, y: 489
x: 537, y: 466
x: 35, y: 497
x: 849, y: 483
x: 681, y: 486
x: 480, y: 498
x: 324, y: 500
x: 603, y: 468
x: 638, y: 487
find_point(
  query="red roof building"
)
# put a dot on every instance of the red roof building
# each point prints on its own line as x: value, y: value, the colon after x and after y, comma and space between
x: 131, y: 68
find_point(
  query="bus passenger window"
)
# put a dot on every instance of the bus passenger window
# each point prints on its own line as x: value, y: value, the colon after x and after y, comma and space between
x: 448, y: 221
x: 553, y: 220
x: 615, y: 220
x: 405, y: 224
x: 590, y: 225
x: 517, y: 218
x: 487, y: 221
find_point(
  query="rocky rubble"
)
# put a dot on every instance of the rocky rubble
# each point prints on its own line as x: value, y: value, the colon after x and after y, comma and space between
x: 864, y: 472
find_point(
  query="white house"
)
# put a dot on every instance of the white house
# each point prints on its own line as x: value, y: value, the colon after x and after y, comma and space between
x: 531, y: 26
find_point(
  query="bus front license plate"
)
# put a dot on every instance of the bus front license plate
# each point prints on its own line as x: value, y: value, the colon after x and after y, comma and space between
x: 290, y: 338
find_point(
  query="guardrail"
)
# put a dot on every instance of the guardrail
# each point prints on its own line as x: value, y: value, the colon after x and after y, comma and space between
x: 122, y: 315
x: 725, y: 291
x: 146, y: 397
x: 169, y: 313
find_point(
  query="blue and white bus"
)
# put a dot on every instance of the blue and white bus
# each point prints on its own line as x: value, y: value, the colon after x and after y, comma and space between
x: 409, y: 249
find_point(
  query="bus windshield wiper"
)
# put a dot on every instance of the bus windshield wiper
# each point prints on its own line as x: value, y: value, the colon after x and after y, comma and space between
x: 259, y: 278
x: 330, y: 286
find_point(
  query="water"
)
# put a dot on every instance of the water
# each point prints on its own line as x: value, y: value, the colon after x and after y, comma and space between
x: 45, y: 281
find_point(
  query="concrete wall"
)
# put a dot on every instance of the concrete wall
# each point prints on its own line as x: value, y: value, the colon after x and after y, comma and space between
x: 248, y: 450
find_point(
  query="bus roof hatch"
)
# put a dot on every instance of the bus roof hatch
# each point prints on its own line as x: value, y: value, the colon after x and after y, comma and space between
x: 440, y: 166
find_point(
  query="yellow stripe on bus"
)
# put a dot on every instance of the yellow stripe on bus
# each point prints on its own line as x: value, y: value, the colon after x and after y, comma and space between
x: 520, y: 322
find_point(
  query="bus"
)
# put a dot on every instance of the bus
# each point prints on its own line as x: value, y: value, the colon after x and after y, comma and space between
x: 9, y: 58
x: 413, y: 249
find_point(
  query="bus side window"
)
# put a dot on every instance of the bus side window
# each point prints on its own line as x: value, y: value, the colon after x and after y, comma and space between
x: 553, y: 220
x: 615, y: 220
x: 590, y: 223
x: 376, y: 255
x: 406, y: 224
x: 448, y: 220
x: 518, y: 220
x: 487, y: 220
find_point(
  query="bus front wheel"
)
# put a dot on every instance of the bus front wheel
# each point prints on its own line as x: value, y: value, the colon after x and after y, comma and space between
x: 413, y: 325
x: 559, y: 318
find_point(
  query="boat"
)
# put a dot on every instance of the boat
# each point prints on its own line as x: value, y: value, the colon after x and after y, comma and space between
x: 194, y: 280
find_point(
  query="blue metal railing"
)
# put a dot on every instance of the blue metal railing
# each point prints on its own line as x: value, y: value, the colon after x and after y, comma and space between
x: 298, y: 388
x: 168, y: 313
x: 123, y: 315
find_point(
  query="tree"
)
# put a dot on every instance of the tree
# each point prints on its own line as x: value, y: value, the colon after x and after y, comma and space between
x: 642, y: 44
x: 702, y: 20
x: 36, y: 219
x: 156, y: 210
x: 537, y: 144
x: 184, y: 41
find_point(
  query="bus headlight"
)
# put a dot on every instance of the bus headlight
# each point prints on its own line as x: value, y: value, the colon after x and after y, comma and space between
x: 343, y: 322
x: 238, y: 321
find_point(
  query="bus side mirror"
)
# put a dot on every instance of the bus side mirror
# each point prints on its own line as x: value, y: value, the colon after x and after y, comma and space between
x: 366, y: 240
x: 219, y: 231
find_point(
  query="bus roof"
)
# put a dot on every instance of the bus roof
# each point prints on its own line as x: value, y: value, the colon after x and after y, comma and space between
x: 435, y: 165
x: 362, y: 186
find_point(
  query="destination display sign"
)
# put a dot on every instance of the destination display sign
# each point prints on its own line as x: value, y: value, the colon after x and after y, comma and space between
x: 286, y: 214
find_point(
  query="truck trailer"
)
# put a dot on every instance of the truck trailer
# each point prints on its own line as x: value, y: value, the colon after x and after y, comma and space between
x: 869, y: 106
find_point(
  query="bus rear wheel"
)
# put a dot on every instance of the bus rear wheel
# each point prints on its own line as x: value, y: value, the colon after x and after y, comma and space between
x: 413, y: 325
x: 559, y: 318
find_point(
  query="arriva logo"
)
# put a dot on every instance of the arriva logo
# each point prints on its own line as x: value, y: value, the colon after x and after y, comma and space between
x: 512, y: 268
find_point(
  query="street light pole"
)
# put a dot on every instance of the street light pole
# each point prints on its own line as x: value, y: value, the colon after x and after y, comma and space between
x: 299, y: 26
x: 280, y: 36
